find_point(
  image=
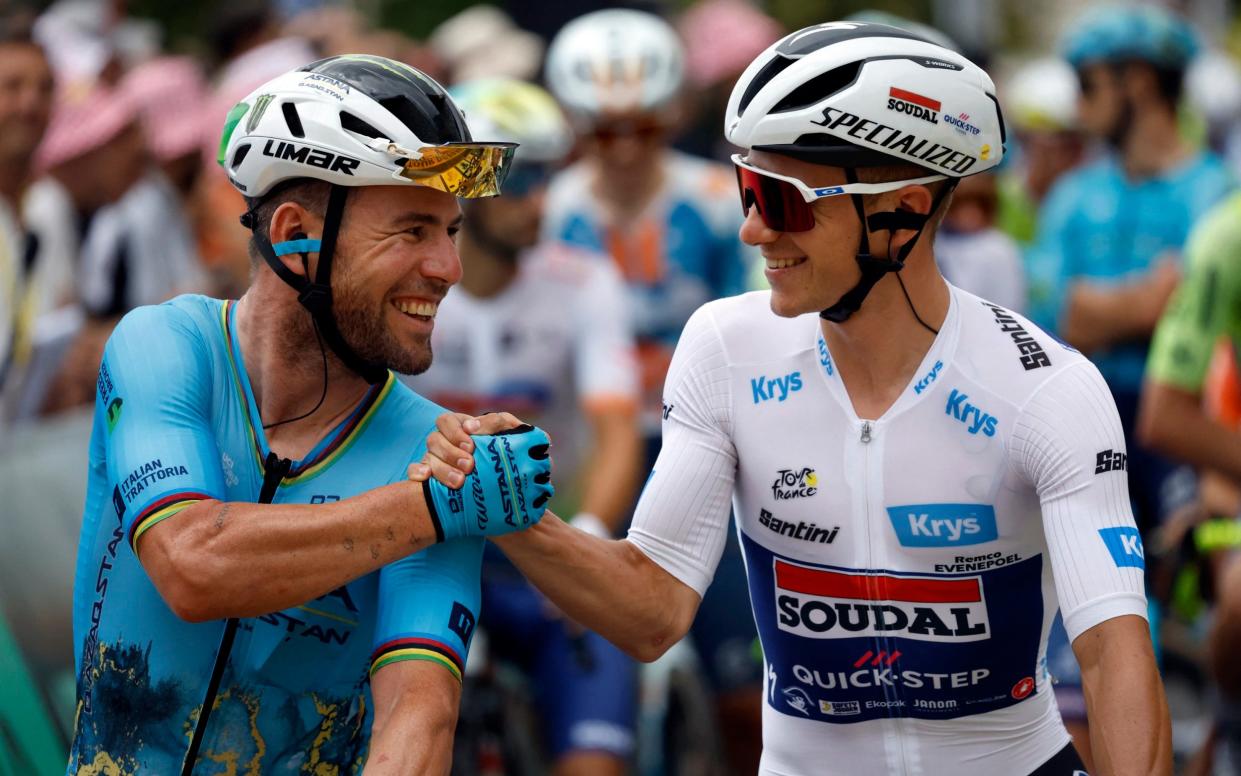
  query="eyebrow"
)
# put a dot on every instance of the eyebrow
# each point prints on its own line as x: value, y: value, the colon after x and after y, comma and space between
x: 416, y: 218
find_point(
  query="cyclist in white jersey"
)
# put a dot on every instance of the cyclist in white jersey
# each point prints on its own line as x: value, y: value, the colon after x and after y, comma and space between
x: 919, y: 476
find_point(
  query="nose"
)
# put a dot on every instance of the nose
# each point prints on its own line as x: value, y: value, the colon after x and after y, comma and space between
x: 442, y: 263
x: 754, y: 231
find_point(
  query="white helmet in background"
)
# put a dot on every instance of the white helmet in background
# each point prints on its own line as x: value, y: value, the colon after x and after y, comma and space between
x: 509, y: 110
x: 615, y: 61
x: 1041, y: 96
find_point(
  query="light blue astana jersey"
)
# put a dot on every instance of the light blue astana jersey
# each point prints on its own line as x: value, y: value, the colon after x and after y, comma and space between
x: 175, y: 423
x: 1099, y: 225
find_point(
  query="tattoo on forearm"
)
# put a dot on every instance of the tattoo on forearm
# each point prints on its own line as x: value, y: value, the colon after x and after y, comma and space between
x: 348, y: 544
x: 221, y: 514
x: 374, y: 552
x: 391, y: 534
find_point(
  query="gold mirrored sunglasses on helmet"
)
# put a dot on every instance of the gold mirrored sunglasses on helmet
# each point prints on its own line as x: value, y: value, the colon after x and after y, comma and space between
x: 467, y: 170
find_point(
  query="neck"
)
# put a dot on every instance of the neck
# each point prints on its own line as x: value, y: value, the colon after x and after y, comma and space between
x: 1153, y: 144
x: 487, y: 271
x: 283, y: 361
x: 881, y: 345
x: 624, y: 200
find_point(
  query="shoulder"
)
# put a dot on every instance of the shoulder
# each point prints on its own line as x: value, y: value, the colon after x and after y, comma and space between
x: 1007, y: 352
x: 704, y: 183
x: 563, y: 264
x: 1219, y: 228
x: 189, y: 316
x: 571, y: 182
x: 750, y: 332
x: 410, y: 415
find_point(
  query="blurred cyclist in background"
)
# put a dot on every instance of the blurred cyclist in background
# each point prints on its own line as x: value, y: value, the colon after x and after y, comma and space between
x: 670, y: 223
x: 1191, y: 411
x: 542, y: 330
x: 1041, y: 104
x: 1111, y: 233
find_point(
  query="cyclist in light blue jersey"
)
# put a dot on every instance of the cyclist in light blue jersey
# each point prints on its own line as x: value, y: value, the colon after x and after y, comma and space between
x: 1110, y: 235
x: 214, y: 634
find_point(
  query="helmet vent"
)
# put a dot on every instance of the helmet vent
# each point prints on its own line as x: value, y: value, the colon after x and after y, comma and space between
x: 239, y: 155
x: 819, y: 88
x: 292, y: 119
x: 352, y: 123
x: 762, y: 78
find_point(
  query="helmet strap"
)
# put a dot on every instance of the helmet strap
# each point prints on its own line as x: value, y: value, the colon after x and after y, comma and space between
x: 316, y: 295
x: 874, y: 268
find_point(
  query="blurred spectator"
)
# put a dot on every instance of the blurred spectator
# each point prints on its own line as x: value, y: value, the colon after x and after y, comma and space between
x: 91, y: 40
x: 25, y: 104
x: 670, y: 222
x: 721, y: 38
x: 482, y: 41
x: 141, y: 250
x: 1213, y: 90
x: 248, y: 46
x: 972, y: 253
x: 1040, y: 105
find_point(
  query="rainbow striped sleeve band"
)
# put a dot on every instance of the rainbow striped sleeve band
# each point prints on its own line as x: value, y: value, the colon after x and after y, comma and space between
x: 417, y: 649
x: 162, y: 509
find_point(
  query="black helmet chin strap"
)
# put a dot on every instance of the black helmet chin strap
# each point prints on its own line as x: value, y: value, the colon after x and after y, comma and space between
x: 316, y: 296
x: 874, y: 268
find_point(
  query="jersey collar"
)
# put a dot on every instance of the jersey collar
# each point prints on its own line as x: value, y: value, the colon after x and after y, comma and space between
x: 332, y: 446
x: 941, y: 352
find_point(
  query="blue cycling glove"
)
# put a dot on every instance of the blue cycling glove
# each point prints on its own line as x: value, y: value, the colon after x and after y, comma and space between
x: 507, y: 491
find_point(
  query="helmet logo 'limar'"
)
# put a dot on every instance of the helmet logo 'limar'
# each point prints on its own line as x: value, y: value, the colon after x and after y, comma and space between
x: 314, y: 157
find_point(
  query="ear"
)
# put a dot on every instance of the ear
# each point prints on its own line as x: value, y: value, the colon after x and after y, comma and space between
x: 291, y: 221
x: 912, y: 199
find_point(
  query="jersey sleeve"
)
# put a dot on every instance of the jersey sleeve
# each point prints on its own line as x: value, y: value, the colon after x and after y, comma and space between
x: 681, y: 521
x: 154, y: 398
x: 428, y: 605
x: 1203, y: 307
x: 1069, y: 444
x: 604, y: 361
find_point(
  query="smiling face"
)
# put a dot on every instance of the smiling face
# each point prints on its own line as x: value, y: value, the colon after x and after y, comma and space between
x: 808, y: 271
x: 396, y: 258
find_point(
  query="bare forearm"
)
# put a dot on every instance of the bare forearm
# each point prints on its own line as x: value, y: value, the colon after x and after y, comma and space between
x: 1130, y: 729
x: 1172, y: 422
x: 236, y: 559
x: 1097, y: 316
x: 415, y: 717
x: 612, y: 473
x: 411, y: 744
x: 608, y: 586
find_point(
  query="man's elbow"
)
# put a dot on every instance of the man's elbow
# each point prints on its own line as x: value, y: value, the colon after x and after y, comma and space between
x: 652, y: 645
x: 184, y: 578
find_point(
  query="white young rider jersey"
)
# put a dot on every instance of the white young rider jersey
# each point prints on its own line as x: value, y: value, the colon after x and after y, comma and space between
x: 904, y: 571
x: 555, y: 341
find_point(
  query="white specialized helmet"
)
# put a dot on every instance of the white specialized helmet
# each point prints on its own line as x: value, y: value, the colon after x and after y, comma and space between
x: 615, y: 61
x: 852, y: 94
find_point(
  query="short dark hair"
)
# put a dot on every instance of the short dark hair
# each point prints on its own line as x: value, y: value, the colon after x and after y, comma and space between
x: 310, y: 193
x: 901, y: 172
